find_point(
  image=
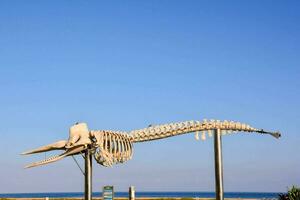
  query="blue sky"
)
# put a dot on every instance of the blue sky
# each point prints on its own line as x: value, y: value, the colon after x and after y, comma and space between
x: 125, y: 64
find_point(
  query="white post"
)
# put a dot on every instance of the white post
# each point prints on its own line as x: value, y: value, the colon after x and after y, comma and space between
x: 131, y: 193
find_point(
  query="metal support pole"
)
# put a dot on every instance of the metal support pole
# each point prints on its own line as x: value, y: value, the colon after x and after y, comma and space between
x: 88, y: 175
x: 218, y: 165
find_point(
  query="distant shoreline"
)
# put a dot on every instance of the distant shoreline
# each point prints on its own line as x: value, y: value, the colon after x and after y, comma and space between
x: 142, y: 195
x: 137, y: 198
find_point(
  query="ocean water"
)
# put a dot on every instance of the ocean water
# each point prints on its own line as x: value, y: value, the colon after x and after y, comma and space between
x: 256, y: 195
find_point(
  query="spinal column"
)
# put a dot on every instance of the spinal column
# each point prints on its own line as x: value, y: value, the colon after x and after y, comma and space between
x: 172, y: 129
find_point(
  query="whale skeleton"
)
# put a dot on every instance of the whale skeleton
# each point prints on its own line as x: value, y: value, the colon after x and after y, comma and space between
x: 113, y: 147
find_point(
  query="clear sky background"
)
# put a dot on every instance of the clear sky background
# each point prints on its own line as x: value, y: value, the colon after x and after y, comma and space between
x: 123, y: 65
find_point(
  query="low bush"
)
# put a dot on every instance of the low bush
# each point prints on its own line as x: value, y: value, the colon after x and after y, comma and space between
x: 292, y: 194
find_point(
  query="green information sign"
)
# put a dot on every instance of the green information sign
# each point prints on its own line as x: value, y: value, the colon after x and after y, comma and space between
x: 108, y: 193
